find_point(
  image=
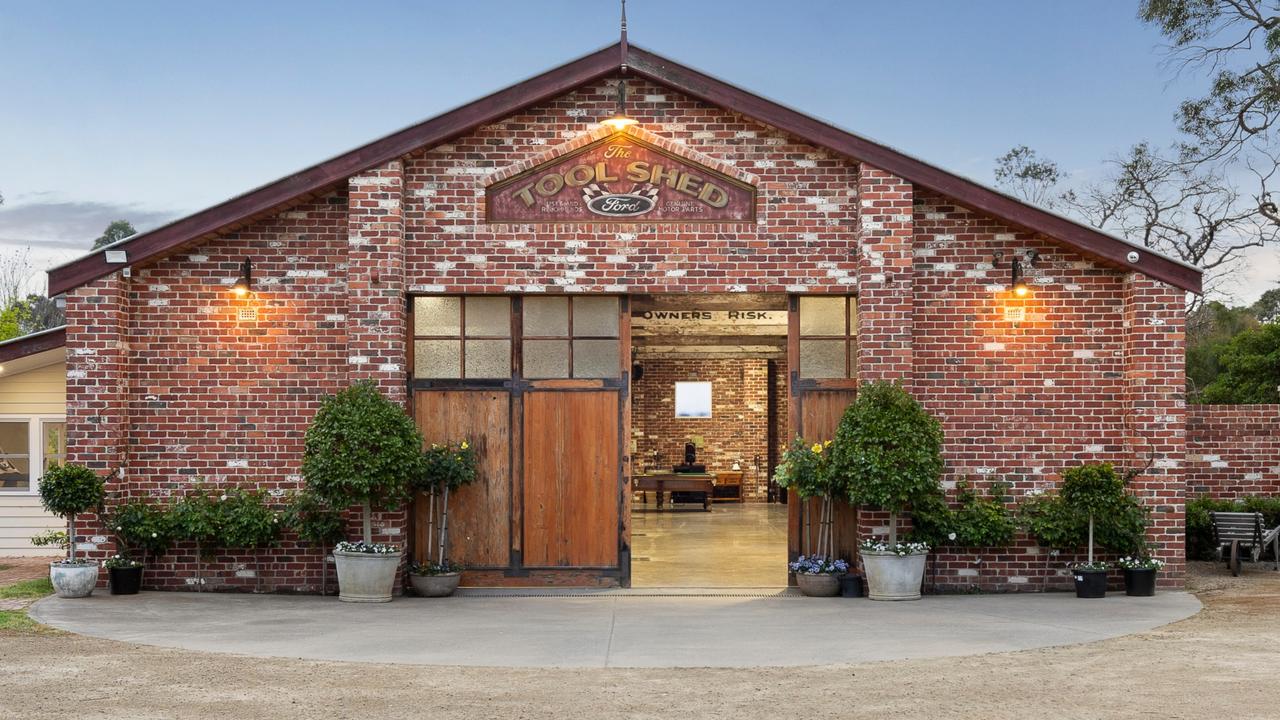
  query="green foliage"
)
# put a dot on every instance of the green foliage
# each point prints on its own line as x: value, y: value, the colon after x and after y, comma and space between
x: 1052, y: 522
x: 447, y: 466
x: 247, y: 521
x: 141, y: 526
x: 315, y: 522
x: 51, y: 538
x: 978, y: 522
x: 68, y: 490
x: 1094, y: 488
x: 888, y: 450
x: 197, y: 517
x: 1267, y: 308
x: 116, y: 231
x: 1200, y: 528
x: 1250, y: 368
x: 1210, y: 329
x: 361, y: 448
x: 1062, y: 521
x: 806, y: 468
x: 27, y: 589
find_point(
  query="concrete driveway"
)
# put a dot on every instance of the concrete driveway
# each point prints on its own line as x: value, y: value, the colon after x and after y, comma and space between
x: 610, y: 629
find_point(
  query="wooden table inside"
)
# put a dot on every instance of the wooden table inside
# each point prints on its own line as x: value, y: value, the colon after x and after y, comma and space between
x: 677, y: 482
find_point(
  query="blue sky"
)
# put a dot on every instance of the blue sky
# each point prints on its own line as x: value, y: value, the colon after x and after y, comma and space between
x: 149, y: 110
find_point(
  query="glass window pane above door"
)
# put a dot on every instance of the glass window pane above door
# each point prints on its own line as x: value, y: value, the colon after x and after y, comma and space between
x: 595, y: 359
x: 822, y: 315
x: 546, y: 316
x: 595, y: 317
x: 546, y: 359
x: 437, y: 315
x: 488, y: 359
x: 823, y: 358
x: 437, y: 358
x: 488, y: 316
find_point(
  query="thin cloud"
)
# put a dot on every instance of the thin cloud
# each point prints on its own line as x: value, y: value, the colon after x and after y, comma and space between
x: 70, y: 225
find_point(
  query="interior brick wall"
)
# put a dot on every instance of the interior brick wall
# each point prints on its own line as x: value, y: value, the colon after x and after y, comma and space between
x: 737, y: 431
x: 1233, y: 451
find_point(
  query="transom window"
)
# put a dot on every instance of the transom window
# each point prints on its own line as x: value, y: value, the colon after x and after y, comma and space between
x: 570, y: 337
x: 828, y: 336
x: 455, y: 337
x: 470, y: 337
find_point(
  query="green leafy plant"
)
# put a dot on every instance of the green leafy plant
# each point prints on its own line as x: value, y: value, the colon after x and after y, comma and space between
x: 806, y: 467
x: 51, y: 538
x: 448, y: 567
x: 978, y: 521
x: 315, y: 521
x: 247, y: 521
x: 141, y: 526
x: 888, y: 451
x: 121, y: 562
x: 445, y: 468
x: 68, y: 490
x: 1091, y: 510
x: 362, y: 449
x: 197, y: 517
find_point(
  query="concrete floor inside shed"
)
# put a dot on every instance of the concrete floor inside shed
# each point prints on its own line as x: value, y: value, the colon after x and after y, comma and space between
x: 734, y: 545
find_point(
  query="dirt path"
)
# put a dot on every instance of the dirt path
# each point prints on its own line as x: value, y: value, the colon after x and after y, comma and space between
x: 1220, y: 663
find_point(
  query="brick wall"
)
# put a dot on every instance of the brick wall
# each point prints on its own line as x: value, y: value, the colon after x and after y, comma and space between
x: 166, y: 380
x: 1233, y: 451
x: 737, y: 430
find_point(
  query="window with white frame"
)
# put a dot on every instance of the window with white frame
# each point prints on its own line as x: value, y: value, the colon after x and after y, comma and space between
x: 28, y: 447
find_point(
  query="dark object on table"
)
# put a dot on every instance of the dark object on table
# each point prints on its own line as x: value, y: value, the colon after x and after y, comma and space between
x: 690, y: 461
x: 850, y: 585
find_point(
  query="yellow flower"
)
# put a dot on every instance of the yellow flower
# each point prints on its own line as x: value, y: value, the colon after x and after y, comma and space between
x: 826, y: 444
x: 465, y: 445
x: 817, y: 447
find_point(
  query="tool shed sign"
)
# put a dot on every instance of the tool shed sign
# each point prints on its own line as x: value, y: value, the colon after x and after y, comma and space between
x: 620, y: 178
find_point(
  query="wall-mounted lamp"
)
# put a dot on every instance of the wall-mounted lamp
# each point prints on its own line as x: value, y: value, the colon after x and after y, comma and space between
x: 1018, y: 281
x: 620, y: 119
x: 244, y: 283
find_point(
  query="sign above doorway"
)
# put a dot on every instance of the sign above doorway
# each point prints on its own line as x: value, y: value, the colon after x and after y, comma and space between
x: 620, y: 178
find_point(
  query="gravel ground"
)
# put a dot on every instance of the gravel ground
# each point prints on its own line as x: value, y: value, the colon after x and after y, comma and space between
x: 1220, y: 663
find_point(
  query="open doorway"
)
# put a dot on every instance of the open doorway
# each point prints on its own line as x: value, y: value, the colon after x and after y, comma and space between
x: 708, y: 424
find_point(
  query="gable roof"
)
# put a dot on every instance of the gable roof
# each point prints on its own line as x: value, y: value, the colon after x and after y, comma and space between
x: 308, y: 183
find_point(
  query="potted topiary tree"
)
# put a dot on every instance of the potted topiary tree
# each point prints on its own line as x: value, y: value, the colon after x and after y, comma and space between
x: 888, y: 452
x: 362, y: 449
x: 67, y: 491
x: 139, y: 527
x: 445, y: 468
x: 806, y: 468
x: 1094, y: 493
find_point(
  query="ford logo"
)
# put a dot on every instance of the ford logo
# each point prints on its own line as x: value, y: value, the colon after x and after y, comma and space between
x: 620, y: 205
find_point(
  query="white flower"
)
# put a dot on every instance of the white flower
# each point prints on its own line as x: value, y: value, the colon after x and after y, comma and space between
x: 224, y: 497
x: 951, y: 536
x: 119, y: 528
x: 153, y: 534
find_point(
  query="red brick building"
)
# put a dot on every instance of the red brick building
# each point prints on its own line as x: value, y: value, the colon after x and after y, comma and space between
x: 489, y: 283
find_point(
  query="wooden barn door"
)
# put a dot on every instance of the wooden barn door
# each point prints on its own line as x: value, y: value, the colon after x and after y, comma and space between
x: 479, y: 526
x: 571, y: 458
x: 822, y: 364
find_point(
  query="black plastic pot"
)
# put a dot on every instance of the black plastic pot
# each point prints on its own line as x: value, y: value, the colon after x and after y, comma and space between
x: 1140, y: 582
x: 850, y: 585
x: 124, y: 581
x: 1091, y: 583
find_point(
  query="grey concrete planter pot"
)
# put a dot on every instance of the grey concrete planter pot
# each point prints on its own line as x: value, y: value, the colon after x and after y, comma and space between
x: 893, y: 577
x: 366, y: 577
x: 824, y: 585
x: 435, y: 585
x: 73, y: 581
